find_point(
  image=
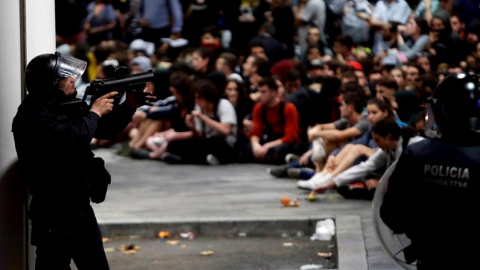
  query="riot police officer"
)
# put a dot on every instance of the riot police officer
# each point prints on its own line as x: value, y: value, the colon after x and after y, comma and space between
x: 52, y: 131
x: 433, y: 192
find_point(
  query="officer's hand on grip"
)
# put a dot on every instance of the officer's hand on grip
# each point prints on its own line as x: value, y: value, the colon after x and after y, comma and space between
x: 104, y: 104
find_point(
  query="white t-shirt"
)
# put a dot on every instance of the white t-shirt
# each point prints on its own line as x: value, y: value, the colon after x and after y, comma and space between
x: 225, y: 114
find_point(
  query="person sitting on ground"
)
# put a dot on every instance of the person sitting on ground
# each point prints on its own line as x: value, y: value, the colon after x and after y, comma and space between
x: 314, y: 107
x: 238, y: 96
x: 352, y: 124
x: 202, y: 63
x: 387, y: 87
x: 253, y: 70
x: 275, y: 131
x: 214, y: 126
x: 227, y: 63
x: 391, y: 140
x: 139, y: 64
x: 344, y: 157
x: 416, y: 32
x: 168, y: 117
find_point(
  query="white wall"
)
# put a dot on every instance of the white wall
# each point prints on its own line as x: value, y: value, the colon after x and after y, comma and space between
x: 27, y: 28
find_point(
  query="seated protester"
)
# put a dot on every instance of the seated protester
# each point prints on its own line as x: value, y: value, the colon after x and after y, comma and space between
x: 214, y: 126
x: 227, y: 63
x: 313, y: 102
x: 352, y: 124
x: 144, y: 125
x: 275, y: 131
x: 139, y: 64
x: 202, y: 63
x: 315, y: 47
x: 253, y: 70
x: 314, y: 107
x: 416, y: 42
x: 400, y: 76
x: 345, y: 156
x: 168, y: 116
x: 273, y: 49
x: 387, y: 87
x: 443, y: 41
x: 211, y: 40
x: 314, y: 70
x: 412, y: 74
x: 391, y: 140
x: 238, y: 96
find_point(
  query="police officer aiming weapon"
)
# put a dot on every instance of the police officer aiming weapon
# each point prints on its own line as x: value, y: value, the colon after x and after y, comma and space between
x: 61, y: 171
x: 121, y: 83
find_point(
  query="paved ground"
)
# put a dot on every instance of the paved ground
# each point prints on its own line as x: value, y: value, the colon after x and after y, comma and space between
x: 148, y: 196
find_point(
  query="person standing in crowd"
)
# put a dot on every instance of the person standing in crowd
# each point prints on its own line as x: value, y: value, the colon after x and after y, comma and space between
x: 249, y: 19
x: 387, y: 11
x: 64, y: 226
x: 159, y: 19
x: 69, y: 21
x: 437, y: 179
x: 309, y: 12
x: 100, y: 22
x: 283, y: 20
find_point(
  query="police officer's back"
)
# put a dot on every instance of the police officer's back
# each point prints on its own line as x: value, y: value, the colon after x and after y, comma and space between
x: 433, y: 192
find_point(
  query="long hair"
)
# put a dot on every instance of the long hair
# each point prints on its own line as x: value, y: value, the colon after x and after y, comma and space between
x: 383, y: 105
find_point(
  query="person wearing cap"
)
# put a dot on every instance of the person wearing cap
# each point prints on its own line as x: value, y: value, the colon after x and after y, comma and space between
x: 52, y: 131
x: 141, y: 47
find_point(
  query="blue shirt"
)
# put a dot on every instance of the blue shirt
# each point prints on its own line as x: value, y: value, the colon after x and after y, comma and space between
x: 158, y: 13
x: 396, y: 11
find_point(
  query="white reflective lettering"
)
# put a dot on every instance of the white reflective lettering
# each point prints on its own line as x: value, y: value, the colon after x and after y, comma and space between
x: 426, y: 169
x: 454, y: 172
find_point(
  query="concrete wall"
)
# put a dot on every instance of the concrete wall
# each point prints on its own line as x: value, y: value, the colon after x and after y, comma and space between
x: 27, y: 28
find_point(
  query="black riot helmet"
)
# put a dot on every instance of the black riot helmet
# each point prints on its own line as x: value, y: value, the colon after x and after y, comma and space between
x: 455, y: 109
x: 45, y: 71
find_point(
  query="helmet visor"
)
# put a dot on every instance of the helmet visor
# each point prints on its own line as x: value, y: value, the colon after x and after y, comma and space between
x: 69, y: 66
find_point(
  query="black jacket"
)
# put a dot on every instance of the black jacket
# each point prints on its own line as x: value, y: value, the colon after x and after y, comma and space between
x: 53, y: 148
x: 433, y: 197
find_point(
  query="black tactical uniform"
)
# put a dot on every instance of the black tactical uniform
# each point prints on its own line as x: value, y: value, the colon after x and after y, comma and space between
x: 52, y: 138
x: 433, y: 192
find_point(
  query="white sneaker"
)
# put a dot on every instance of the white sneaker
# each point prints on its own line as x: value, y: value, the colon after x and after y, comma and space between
x: 289, y: 158
x: 316, y: 180
x: 212, y: 160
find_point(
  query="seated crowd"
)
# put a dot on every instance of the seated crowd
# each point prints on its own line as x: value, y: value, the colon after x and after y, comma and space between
x: 279, y: 84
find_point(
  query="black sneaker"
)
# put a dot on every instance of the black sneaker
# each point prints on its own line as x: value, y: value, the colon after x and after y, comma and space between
x: 279, y: 171
x: 171, y: 158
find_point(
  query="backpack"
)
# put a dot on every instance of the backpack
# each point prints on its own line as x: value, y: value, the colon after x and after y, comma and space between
x: 268, y: 134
